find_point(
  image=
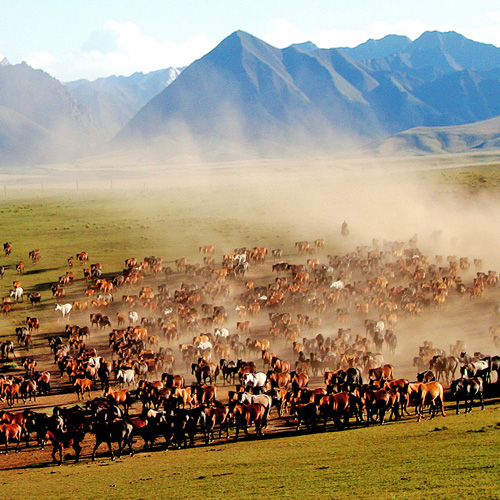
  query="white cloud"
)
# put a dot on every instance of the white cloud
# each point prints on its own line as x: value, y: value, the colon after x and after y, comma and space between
x: 284, y: 33
x: 121, y: 49
x: 39, y: 60
x: 485, y: 34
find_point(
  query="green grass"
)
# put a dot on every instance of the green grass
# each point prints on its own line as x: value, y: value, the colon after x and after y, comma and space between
x: 452, y: 457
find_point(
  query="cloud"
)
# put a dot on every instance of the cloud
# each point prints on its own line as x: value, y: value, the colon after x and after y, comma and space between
x: 121, y: 49
x: 39, y: 60
x: 284, y: 33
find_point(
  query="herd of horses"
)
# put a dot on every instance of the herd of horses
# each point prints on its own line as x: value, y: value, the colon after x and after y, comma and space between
x: 302, y: 341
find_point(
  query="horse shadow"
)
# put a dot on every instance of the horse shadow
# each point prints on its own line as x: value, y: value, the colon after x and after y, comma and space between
x: 39, y: 271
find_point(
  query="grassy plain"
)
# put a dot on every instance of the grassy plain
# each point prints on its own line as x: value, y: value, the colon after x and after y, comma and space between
x: 270, y: 205
x: 446, y: 458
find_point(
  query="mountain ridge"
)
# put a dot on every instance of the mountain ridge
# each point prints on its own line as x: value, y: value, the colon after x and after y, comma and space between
x: 246, y: 97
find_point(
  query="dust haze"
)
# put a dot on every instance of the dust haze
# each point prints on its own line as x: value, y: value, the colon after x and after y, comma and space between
x: 249, y: 201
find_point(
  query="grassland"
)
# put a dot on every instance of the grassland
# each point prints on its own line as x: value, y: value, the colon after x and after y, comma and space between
x: 446, y: 458
x: 452, y: 457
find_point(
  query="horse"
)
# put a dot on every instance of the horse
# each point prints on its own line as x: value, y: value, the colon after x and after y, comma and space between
x: 431, y: 393
x: 254, y: 380
x: 121, y: 397
x: 467, y: 388
x: 64, y: 439
x: 65, y: 309
x: 110, y: 427
x: 17, y: 293
x: 133, y: 317
x: 264, y: 399
x: 477, y: 368
x: 247, y: 414
x: 11, y: 432
x: 216, y: 415
x: 446, y: 366
x: 6, y: 348
x: 81, y: 386
x: 125, y: 376
x: 34, y: 298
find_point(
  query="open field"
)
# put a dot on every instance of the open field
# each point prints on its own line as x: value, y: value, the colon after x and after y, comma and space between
x: 450, y: 457
x: 455, y: 457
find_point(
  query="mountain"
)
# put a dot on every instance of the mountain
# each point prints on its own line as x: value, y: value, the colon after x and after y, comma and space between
x: 374, y: 49
x: 246, y: 98
x: 266, y: 98
x: 305, y: 46
x: 451, y: 52
x: 483, y: 135
x: 40, y: 120
x: 114, y: 100
x: 4, y: 61
x: 309, y: 99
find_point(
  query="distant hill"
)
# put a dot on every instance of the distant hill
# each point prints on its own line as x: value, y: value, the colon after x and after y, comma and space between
x: 114, y: 100
x: 40, y: 119
x: 374, y: 49
x: 483, y: 135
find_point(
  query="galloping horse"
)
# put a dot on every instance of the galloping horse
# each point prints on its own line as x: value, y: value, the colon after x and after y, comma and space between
x: 64, y: 308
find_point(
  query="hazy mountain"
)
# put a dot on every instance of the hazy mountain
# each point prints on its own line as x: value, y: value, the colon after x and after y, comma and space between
x: 305, y: 46
x: 483, y: 135
x: 40, y: 118
x: 247, y: 98
x: 248, y: 91
x: 374, y: 49
x: 114, y: 100
x: 4, y: 61
x: 451, y: 52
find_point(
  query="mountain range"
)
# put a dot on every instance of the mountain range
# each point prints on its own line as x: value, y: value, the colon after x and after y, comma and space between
x: 246, y: 95
x: 114, y: 100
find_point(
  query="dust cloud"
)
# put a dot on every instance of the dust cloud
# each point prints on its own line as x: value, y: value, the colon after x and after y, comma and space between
x: 276, y: 202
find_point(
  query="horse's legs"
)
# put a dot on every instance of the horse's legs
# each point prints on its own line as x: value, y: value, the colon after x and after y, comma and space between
x: 56, y: 449
x: 77, y: 449
x: 97, y: 444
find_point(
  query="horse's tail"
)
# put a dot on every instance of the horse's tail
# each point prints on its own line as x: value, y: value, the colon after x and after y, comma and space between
x: 266, y: 415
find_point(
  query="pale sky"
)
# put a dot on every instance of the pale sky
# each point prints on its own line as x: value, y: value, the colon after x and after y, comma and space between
x: 72, y: 39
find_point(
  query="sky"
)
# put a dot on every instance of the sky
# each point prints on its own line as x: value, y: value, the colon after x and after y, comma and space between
x: 73, y: 39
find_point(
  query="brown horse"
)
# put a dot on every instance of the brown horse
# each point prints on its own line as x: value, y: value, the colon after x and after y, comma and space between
x: 247, y: 414
x: 61, y: 440
x: 432, y: 394
x: 11, y: 432
x: 121, y: 397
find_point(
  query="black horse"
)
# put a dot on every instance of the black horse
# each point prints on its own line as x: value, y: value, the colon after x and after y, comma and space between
x: 467, y: 389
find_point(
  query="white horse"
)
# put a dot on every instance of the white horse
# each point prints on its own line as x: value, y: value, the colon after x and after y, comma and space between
x: 204, y: 346
x: 337, y: 285
x: 17, y: 293
x: 65, y: 309
x: 125, y: 376
x: 258, y: 379
x: 133, y: 317
x: 379, y: 327
x: 240, y: 258
x: 222, y: 333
